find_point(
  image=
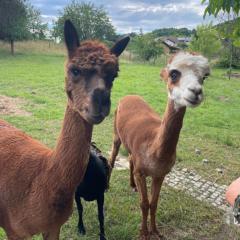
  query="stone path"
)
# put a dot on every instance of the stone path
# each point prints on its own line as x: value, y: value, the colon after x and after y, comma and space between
x: 191, y: 183
x: 198, y: 187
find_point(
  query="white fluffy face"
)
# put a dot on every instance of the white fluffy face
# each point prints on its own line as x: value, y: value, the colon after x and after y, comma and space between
x: 185, y: 76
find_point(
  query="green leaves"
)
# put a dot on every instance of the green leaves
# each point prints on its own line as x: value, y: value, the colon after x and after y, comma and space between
x: 206, y: 41
x: 146, y: 47
x: 90, y: 21
x: 35, y: 26
x: 215, y: 6
x: 236, y: 33
x: 172, y: 32
x: 13, y: 20
x: 19, y: 21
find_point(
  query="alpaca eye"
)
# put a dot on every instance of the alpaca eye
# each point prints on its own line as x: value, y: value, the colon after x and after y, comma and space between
x: 111, y: 76
x: 76, y: 72
x: 175, y: 75
x: 206, y: 76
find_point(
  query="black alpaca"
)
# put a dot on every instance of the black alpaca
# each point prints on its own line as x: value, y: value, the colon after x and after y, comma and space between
x: 93, y: 186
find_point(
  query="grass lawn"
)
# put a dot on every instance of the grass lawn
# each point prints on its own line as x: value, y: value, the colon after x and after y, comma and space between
x: 213, y: 128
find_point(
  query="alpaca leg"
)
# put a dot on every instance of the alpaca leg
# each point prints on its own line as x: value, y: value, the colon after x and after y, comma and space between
x: 52, y: 235
x: 13, y: 237
x: 116, y: 142
x: 132, y: 180
x: 81, y: 228
x: 115, y: 150
x: 100, y: 202
x: 11, y: 234
x: 155, y: 190
x: 144, y: 203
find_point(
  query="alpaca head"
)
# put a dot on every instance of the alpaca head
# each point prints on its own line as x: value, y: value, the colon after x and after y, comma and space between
x: 90, y: 71
x: 185, y: 74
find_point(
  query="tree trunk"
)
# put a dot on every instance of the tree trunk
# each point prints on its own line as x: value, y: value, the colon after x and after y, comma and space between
x: 229, y: 31
x: 231, y: 60
x: 12, y: 47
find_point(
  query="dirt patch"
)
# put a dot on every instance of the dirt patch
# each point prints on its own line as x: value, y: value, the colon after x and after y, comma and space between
x: 233, y: 75
x: 12, y: 106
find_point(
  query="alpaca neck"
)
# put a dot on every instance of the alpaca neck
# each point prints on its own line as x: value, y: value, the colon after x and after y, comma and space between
x: 170, y: 128
x: 71, y: 154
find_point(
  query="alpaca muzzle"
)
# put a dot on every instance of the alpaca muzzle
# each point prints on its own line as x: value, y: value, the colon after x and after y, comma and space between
x: 101, y: 104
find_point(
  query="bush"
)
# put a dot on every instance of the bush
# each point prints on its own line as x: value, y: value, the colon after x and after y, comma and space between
x: 224, y: 59
x: 206, y: 41
x: 146, y: 47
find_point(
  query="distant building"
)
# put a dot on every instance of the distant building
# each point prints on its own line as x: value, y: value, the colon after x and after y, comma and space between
x: 186, y: 40
x: 170, y: 44
x: 174, y: 44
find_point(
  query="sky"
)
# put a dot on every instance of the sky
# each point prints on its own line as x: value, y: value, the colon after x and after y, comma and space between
x: 133, y: 15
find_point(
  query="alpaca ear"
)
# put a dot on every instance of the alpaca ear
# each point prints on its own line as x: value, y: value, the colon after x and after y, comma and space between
x: 71, y: 38
x: 164, y: 74
x: 120, y: 45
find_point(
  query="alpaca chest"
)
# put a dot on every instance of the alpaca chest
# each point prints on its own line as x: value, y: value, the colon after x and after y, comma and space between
x: 158, y: 166
x: 62, y: 203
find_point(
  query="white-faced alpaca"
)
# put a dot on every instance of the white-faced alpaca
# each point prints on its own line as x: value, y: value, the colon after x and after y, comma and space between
x: 151, y: 141
x: 37, y: 184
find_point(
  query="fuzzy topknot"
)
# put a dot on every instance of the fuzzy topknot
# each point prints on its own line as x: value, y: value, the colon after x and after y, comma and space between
x: 93, y: 54
x: 192, y: 60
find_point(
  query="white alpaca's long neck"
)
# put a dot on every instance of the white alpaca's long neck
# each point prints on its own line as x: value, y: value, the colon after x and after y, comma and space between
x: 170, y: 128
x: 71, y: 154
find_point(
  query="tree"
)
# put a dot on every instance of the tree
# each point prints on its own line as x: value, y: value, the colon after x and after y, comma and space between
x: 177, y: 32
x: 215, y: 6
x: 231, y: 8
x: 231, y: 32
x: 90, y: 21
x: 146, y: 47
x: 35, y: 26
x: 13, y: 21
x: 206, y: 41
x: 20, y: 21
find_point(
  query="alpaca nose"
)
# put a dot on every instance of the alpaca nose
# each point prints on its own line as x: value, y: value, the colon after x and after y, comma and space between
x: 196, y: 91
x: 101, y: 97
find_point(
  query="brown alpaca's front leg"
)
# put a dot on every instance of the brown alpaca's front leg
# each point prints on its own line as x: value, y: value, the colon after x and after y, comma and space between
x: 114, y: 153
x: 144, y: 204
x: 52, y: 235
x: 115, y: 147
x: 132, y: 181
x: 14, y: 237
x: 155, y: 190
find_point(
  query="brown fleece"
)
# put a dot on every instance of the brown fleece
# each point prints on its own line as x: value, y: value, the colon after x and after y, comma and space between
x: 93, y: 54
x: 37, y: 184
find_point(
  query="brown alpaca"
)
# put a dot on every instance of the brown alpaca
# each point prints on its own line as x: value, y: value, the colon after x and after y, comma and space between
x: 37, y: 184
x: 150, y: 141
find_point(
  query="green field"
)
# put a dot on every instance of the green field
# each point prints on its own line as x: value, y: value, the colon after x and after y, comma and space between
x: 213, y: 128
